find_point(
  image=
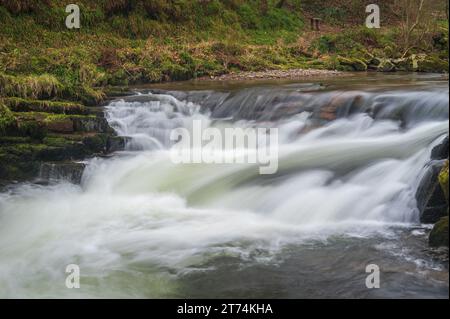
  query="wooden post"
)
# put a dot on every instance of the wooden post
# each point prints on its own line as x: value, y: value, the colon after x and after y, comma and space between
x: 315, y: 24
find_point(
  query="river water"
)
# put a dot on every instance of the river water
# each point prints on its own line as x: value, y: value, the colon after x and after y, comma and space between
x: 351, y: 154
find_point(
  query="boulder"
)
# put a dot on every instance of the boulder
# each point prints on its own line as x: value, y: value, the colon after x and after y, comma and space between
x: 430, y: 196
x: 69, y: 171
x: 352, y: 64
x: 440, y: 151
x: 432, y: 64
x: 439, y: 233
x: 374, y: 63
x: 443, y: 180
x: 386, y: 65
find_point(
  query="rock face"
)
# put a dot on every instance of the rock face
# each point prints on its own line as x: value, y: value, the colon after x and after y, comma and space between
x: 38, y: 132
x: 439, y: 233
x: 440, y: 151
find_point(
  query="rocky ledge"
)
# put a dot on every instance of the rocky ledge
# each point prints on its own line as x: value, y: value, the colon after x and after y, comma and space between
x: 36, y: 132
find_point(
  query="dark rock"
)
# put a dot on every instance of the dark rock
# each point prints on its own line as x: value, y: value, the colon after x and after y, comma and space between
x: 439, y: 233
x: 115, y: 143
x: 430, y: 197
x: 440, y: 151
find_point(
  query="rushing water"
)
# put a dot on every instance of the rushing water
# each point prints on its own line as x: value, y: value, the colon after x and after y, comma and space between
x: 351, y: 156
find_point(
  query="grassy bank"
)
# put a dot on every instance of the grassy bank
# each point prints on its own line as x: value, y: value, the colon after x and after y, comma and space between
x: 47, y: 69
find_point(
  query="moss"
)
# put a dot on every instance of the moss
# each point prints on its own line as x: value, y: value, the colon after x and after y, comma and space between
x: 439, y: 233
x: 443, y: 179
x: 29, y: 105
x: 34, y: 129
x: 351, y: 64
x: 433, y: 64
x: 96, y: 143
x: 7, y: 119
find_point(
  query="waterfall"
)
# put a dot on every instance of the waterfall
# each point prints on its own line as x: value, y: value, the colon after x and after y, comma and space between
x: 354, y: 174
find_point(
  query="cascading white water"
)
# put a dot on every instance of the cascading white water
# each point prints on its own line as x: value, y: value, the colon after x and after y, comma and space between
x: 139, y: 213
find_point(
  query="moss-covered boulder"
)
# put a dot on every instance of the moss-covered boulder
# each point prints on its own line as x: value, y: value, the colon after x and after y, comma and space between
x: 432, y: 64
x: 443, y: 180
x: 439, y: 233
x: 351, y: 64
x: 386, y: 65
x: 7, y: 119
x: 430, y: 196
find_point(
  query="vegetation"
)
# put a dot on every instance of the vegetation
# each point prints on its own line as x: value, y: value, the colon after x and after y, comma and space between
x: 439, y: 233
x: 48, y: 69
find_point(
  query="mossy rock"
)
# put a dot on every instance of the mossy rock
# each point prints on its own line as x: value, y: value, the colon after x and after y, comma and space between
x: 29, y: 105
x: 443, y: 179
x: 432, y: 64
x: 386, y: 65
x: 430, y: 196
x: 352, y: 64
x: 403, y: 64
x: 439, y: 233
x: 7, y: 119
x: 34, y: 129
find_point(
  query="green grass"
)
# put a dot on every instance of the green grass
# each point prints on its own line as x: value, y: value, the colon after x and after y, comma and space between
x: 124, y: 42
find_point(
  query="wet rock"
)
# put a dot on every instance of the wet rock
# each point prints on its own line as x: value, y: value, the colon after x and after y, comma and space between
x: 443, y: 181
x: 430, y: 196
x: 69, y: 171
x: 116, y: 143
x: 386, y: 65
x: 352, y: 64
x: 440, y: 151
x: 374, y: 63
x: 439, y: 233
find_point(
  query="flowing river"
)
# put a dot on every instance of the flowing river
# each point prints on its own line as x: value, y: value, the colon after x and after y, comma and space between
x: 352, y: 151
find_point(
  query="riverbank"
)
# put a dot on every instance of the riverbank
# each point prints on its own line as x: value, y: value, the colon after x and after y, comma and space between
x: 292, y: 74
